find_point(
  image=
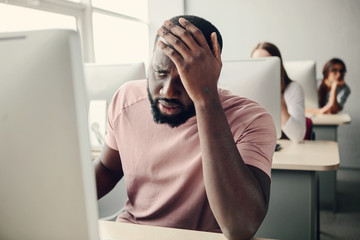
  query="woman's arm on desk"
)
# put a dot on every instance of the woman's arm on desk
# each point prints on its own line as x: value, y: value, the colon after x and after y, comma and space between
x: 332, y: 106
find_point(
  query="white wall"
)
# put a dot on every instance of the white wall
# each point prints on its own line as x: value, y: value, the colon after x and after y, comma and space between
x: 302, y: 29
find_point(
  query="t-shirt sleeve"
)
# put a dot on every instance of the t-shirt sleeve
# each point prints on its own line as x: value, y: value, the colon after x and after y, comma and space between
x: 257, y: 143
x: 112, y: 115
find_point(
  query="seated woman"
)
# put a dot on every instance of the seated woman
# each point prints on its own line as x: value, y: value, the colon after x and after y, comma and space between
x: 292, y: 97
x: 333, y: 90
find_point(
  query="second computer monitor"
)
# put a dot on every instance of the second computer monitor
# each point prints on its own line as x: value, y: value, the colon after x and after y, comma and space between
x: 257, y: 79
x: 304, y: 73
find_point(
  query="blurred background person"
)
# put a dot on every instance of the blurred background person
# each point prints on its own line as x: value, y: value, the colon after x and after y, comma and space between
x: 293, y: 124
x: 333, y: 91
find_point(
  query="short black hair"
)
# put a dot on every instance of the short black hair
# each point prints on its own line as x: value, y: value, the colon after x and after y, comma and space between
x: 203, y: 25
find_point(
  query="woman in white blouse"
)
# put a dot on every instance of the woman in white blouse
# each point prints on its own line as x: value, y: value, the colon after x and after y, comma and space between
x: 293, y: 124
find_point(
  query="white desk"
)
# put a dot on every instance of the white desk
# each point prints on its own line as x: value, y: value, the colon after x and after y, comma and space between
x: 293, y: 209
x: 308, y: 155
x: 325, y: 128
x: 330, y: 119
x: 325, y: 125
x: 127, y: 231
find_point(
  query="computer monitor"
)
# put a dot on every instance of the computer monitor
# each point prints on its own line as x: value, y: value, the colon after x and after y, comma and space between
x: 257, y: 79
x: 47, y: 182
x: 304, y: 73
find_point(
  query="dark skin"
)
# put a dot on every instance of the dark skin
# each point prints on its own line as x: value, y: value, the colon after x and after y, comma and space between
x: 108, y: 171
x: 238, y: 193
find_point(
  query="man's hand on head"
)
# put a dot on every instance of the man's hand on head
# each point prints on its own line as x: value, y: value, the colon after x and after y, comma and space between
x: 199, y: 68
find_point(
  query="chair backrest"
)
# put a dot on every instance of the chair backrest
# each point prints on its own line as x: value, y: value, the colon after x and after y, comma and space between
x: 103, y: 80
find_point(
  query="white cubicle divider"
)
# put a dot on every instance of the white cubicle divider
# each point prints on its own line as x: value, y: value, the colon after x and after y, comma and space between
x: 102, y: 81
x: 304, y: 73
x: 257, y: 79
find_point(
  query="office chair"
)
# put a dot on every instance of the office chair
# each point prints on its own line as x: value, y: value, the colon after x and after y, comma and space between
x: 309, y: 134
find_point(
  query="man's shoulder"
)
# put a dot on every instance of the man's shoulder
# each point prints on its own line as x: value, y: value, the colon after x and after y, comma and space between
x: 129, y: 94
x: 242, y: 112
x: 134, y: 87
x: 234, y: 102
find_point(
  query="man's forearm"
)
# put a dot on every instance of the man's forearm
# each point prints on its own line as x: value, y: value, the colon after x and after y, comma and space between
x: 234, y: 194
x: 105, y: 180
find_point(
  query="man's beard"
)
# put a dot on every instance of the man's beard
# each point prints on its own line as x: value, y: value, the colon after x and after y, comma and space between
x: 175, y: 120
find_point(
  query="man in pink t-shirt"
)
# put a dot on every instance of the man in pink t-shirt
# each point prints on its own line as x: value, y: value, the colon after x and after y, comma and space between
x: 193, y: 156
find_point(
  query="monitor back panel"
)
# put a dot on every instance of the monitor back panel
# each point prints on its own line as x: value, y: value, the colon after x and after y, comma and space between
x: 304, y: 73
x: 47, y: 184
x: 257, y: 79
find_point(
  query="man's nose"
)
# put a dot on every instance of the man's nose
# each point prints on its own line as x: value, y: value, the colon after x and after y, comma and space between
x: 171, y: 88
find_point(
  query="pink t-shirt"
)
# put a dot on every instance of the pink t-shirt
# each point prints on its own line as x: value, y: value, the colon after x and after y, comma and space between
x: 162, y: 165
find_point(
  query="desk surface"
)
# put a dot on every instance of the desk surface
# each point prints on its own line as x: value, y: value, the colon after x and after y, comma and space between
x: 127, y: 231
x: 307, y: 155
x: 330, y: 119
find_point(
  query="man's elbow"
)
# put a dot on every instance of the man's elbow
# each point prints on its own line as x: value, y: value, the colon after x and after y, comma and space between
x: 241, y: 232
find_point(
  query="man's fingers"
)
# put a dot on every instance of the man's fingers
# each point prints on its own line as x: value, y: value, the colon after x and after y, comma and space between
x: 185, y: 35
x: 175, y: 57
x: 190, y: 35
x: 197, y: 35
x: 174, y: 41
